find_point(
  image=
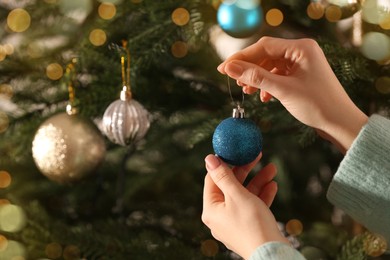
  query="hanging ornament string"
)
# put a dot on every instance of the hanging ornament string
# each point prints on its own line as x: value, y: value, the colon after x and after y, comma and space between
x: 126, y: 90
x: 239, y: 111
x: 71, y: 75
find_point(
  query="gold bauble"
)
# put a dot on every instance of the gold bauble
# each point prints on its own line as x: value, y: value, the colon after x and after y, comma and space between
x: 66, y: 148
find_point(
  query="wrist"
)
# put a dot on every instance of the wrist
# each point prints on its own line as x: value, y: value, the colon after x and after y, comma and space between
x: 344, y: 130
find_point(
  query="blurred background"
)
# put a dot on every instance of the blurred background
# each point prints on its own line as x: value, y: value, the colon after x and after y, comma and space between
x: 79, y: 180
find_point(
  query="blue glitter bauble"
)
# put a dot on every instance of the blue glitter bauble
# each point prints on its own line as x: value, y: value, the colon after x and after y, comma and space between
x: 237, y: 141
x: 240, y: 18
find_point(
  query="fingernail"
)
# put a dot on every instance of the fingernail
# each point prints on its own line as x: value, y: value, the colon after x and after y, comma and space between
x: 234, y: 70
x: 212, y: 162
x: 220, y: 67
x: 262, y: 96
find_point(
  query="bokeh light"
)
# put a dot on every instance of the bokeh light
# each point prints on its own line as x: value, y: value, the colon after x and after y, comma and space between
x: 5, y: 179
x: 385, y: 23
x: 18, y: 20
x: 71, y: 252
x: 12, y: 218
x: 180, y: 16
x: 274, y: 17
x: 54, y: 71
x: 3, y: 243
x: 4, y: 202
x: 374, y: 11
x: 179, y: 49
x: 375, y: 245
x: 107, y: 11
x: 14, y: 251
x: 4, y: 122
x: 376, y: 46
x: 111, y: 1
x: 209, y: 248
x: 294, y: 227
x: 8, y: 48
x: 333, y: 13
x: 97, y: 37
x: 6, y: 91
x: 2, y: 53
x: 315, y: 10
x: 76, y: 9
x: 382, y: 84
x: 53, y: 250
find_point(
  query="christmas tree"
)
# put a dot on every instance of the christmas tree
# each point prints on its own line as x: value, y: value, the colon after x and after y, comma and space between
x: 89, y: 184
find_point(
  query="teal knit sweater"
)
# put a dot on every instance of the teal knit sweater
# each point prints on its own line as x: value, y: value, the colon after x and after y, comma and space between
x: 361, y: 187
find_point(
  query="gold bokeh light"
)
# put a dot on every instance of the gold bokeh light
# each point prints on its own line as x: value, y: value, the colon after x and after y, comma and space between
x: 274, y: 17
x: 12, y: 218
x: 6, y: 90
x: 54, y: 71
x: 382, y: 84
x: 97, y: 37
x: 180, y: 16
x: 5, y: 179
x: 3, y: 243
x: 107, y: 11
x: 209, y: 248
x: 179, y: 49
x: 53, y: 250
x: 333, y: 13
x: 375, y: 245
x: 294, y: 227
x: 315, y: 10
x: 4, y: 122
x: 71, y: 252
x: 18, y: 20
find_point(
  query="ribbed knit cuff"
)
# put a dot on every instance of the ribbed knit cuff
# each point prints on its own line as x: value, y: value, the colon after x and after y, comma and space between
x: 361, y: 185
x: 276, y: 251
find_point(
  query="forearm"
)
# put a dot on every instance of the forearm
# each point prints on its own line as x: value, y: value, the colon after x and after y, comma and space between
x: 361, y: 184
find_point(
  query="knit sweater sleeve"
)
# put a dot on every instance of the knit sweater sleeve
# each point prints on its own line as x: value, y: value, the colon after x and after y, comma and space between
x: 361, y: 185
x: 276, y: 251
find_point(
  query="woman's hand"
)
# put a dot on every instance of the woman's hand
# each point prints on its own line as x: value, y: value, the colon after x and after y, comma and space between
x: 297, y: 73
x: 239, y: 216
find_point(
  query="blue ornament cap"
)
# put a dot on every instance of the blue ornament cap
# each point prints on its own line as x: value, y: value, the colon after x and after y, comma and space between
x: 240, y: 18
x: 237, y: 141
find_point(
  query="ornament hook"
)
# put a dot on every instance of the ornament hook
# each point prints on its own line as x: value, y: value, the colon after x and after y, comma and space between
x: 70, y: 72
x: 126, y: 90
x: 231, y: 96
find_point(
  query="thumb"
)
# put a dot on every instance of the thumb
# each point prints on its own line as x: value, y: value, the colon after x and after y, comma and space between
x: 253, y: 75
x: 222, y: 175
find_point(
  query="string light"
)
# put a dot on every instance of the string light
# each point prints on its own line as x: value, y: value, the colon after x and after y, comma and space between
x: 6, y: 91
x: 4, y: 122
x: 107, y: 11
x: 333, y: 13
x: 209, y: 248
x: 294, y: 227
x: 5, y: 179
x: 18, y: 20
x: 382, y: 84
x: 315, y: 10
x: 274, y: 17
x: 54, y: 71
x: 375, y: 245
x: 180, y: 16
x: 53, y: 250
x: 97, y: 37
x: 179, y: 49
x: 71, y: 252
x: 12, y: 218
x: 3, y: 243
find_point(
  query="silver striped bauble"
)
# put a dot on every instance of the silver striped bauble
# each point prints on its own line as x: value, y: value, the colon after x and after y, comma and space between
x: 125, y: 121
